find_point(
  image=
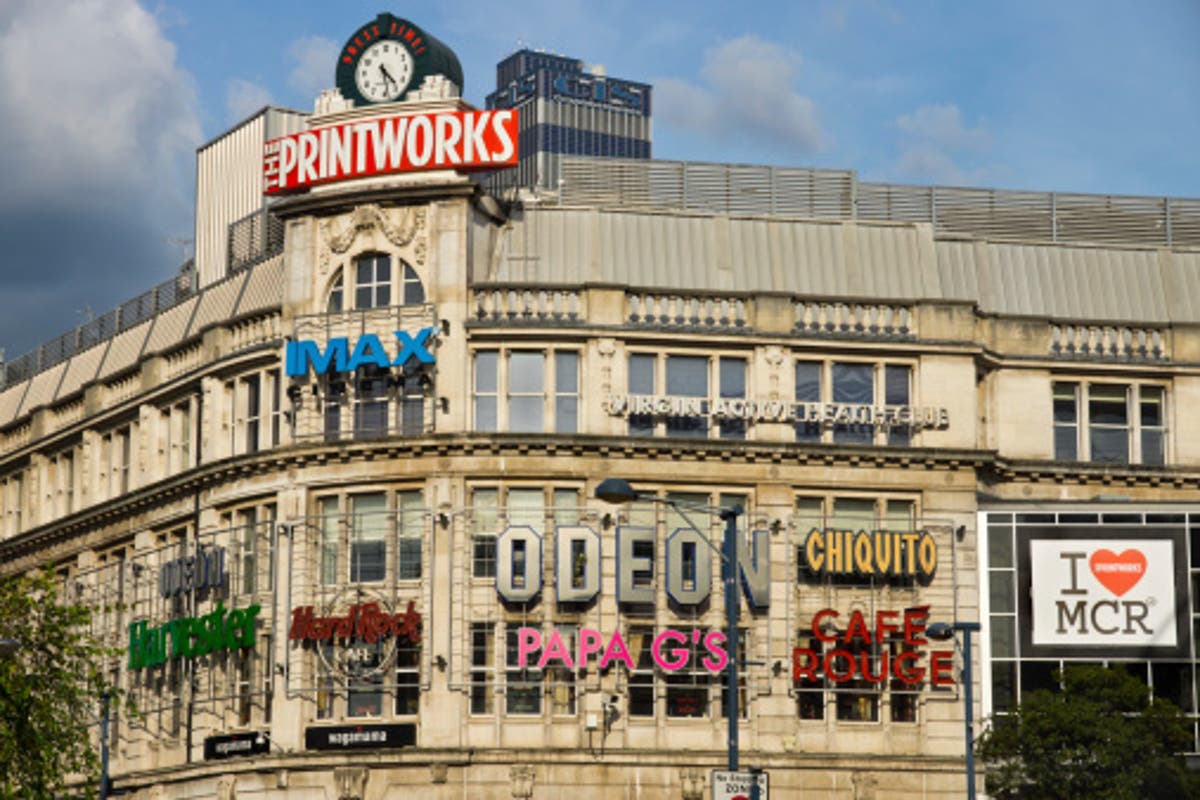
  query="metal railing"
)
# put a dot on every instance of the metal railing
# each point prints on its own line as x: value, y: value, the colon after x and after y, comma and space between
x: 253, y: 239
x: 95, y: 331
x: 838, y: 194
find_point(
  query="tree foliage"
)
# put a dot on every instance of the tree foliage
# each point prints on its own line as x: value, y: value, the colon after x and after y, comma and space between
x: 1101, y: 736
x: 50, y: 690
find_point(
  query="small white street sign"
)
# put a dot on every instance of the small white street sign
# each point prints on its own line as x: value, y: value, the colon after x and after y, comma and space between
x: 736, y: 785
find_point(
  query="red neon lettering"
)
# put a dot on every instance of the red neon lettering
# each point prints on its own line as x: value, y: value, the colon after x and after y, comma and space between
x: 941, y: 661
x: 914, y: 625
x: 830, y: 662
x: 804, y: 664
x: 883, y: 627
x: 912, y: 676
x: 816, y: 624
x: 857, y: 628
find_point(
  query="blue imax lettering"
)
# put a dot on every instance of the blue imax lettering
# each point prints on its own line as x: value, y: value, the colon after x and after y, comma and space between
x: 337, y: 356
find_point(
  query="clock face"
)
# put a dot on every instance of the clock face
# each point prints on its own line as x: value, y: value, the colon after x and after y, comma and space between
x: 383, y: 71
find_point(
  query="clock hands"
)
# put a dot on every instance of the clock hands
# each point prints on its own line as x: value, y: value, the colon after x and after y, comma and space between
x: 388, y: 79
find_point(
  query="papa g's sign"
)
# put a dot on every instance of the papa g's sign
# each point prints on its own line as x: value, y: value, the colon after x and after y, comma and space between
x: 1093, y: 591
x: 368, y: 350
x: 188, y: 637
x: 460, y: 140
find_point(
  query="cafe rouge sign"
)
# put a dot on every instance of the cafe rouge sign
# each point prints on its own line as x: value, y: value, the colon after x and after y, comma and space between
x: 395, y: 143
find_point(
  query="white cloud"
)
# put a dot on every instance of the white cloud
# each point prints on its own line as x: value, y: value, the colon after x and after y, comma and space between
x: 747, y: 93
x: 243, y: 98
x: 313, y: 57
x: 104, y: 110
x: 935, y: 145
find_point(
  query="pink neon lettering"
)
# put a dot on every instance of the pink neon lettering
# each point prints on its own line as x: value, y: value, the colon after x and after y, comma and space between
x: 714, y: 643
x: 679, y: 654
x: 590, y: 641
x: 529, y: 640
x: 556, y: 649
x: 616, y: 650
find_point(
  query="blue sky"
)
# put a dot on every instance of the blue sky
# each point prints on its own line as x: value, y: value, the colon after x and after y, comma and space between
x: 103, y: 103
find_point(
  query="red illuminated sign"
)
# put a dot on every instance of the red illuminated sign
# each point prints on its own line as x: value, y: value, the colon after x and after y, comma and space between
x: 459, y: 140
x: 857, y: 649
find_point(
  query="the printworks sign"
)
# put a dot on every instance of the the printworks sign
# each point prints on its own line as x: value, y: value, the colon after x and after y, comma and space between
x: 848, y: 643
x: 519, y: 554
x: 395, y: 143
x: 911, y: 418
x: 338, y: 356
x: 188, y: 637
x: 866, y: 556
x: 1099, y: 591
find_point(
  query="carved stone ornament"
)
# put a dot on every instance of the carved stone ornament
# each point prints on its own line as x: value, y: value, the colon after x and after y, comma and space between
x: 692, y: 781
x: 522, y: 781
x: 438, y: 771
x: 351, y: 782
x: 339, y: 235
x: 227, y: 788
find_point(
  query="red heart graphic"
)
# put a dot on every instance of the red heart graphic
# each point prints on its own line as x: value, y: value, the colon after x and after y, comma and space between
x: 1118, y: 573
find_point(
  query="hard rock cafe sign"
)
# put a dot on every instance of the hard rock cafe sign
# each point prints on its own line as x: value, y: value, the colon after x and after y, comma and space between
x: 356, y: 640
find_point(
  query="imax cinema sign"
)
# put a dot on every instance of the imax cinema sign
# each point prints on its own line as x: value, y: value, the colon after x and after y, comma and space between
x: 368, y: 350
x: 384, y: 145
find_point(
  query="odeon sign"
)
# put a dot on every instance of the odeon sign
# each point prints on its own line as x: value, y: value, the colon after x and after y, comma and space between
x: 368, y: 351
x: 577, y: 565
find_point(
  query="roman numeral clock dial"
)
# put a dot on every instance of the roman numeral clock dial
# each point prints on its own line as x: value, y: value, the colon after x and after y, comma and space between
x: 387, y: 58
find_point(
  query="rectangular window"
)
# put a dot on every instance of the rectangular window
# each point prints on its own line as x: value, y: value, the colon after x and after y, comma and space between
x: 276, y: 406
x: 1066, y: 421
x: 566, y: 392
x: 333, y: 399
x: 410, y: 527
x: 1109, y: 423
x: 329, y: 522
x: 641, y: 382
x: 249, y: 540
x: 411, y: 408
x: 482, y: 654
x: 641, y: 679
x: 408, y: 677
x: 368, y: 537
x: 857, y: 700
x: 364, y: 696
x: 370, y: 403
x: 808, y: 390
x: 732, y: 372
x: 526, y: 392
x: 560, y: 680
x: 124, y: 452
x: 853, y: 384
x: 485, y: 523
x: 487, y: 378
x: 809, y: 688
x: 687, y: 377
x: 688, y: 687
x: 522, y: 687
x: 896, y: 381
x: 252, y: 389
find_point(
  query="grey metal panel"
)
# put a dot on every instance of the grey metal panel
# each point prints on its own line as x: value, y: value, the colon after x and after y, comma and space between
x: 889, y: 264
x: 81, y: 369
x: 170, y: 327
x: 216, y: 304
x: 1076, y: 283
x: 124, y: 350
x: 1182, y: 278
x: 42, y: 389
x: 957, y: 270
x: 264, y: 287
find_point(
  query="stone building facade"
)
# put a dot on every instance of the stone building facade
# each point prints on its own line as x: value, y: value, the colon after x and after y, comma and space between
x: 322, y: 502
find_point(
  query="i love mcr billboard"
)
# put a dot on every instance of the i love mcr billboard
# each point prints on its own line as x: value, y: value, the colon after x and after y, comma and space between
x: 1096, y: 592
x: 389, y: 144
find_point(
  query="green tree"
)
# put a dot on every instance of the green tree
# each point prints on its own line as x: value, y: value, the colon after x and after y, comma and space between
x: 1102, y: 735
x: 50, y: 691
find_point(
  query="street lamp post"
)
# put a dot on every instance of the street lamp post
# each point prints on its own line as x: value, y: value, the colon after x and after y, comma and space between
x: 618, y: 491
x: 943, y: 631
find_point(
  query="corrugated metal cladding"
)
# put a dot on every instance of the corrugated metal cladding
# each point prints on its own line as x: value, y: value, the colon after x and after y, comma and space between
x: 257, y: 289
x: 686, y: 251
x: 229, y: 184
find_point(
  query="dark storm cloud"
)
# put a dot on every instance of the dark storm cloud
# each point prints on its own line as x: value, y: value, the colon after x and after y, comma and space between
x: 97, y: 138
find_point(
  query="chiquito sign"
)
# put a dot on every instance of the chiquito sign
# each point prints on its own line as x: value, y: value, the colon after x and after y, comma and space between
x: 395, y: 143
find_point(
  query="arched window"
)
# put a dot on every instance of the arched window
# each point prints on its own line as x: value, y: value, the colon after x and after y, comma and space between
x: 414, y: 292
x: 334, y: 304
x: 373, y: 281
